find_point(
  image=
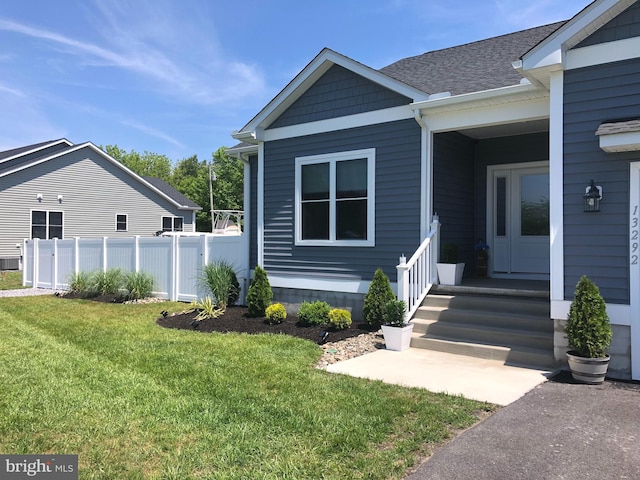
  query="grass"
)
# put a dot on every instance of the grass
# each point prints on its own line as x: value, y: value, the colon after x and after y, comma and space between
x: 136, y: 401
x: 11, y: 280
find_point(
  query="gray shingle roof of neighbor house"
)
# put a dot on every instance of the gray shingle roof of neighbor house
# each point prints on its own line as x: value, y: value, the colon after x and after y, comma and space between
x: 17, y: 151
x: 473, y: 67
x: 168, y: 190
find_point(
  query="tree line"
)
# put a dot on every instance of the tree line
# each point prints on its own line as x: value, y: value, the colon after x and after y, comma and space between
x: 190, y: 177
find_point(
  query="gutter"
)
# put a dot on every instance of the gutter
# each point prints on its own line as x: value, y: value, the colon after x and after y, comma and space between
x: 485, y: 95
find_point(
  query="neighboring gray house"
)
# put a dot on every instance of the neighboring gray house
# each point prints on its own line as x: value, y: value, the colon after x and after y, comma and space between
x: 58, y: 189
x: 500, y: 137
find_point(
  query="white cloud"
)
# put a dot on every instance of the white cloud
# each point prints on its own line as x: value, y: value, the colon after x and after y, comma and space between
x: 153, y: 132
x: 174, y: 62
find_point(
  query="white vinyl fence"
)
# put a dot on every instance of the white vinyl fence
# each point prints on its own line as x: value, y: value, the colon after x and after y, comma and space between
x: 174, y: 262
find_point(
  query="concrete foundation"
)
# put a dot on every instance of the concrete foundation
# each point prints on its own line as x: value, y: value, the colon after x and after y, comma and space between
x: 291, y: 298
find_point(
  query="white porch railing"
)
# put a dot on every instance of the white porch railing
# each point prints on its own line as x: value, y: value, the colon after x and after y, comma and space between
x: 417, y: 276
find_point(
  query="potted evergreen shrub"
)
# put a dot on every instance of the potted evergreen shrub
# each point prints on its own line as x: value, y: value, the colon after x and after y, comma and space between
x: 396, y: 330
x: 588, y: 333
x: 450, y: 270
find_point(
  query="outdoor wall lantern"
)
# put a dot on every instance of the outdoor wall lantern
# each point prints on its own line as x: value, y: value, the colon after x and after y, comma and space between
x: 39, y: 197
x: 60, y: 197
x: 592, y: 197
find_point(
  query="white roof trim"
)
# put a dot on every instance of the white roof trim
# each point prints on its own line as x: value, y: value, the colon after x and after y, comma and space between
x: 495, y: 96
x: 620, y: 142
x: 107, y: 157
x: 309, y: 75
x: 42, y: 147
x: 551, y: 51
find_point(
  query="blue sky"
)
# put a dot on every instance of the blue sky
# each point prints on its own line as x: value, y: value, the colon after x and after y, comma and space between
x: 175, y: 77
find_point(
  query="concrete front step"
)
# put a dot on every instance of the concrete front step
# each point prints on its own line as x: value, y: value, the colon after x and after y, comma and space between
x: 511, y: 355
x: 485, y: 334
x: 491, y: 318
x: 493, y: 303
x: 511, y: 328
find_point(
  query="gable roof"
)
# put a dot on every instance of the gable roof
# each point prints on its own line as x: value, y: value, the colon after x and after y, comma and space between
x: 15, y: 152
x: 18, y: 159
x: 551, y: 51
x: 473, y: 67
x: 168, y: 190
x: 308, y: 76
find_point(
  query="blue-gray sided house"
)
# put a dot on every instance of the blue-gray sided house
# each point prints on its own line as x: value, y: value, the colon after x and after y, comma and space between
x: 348, y: 166
x: 57, y: 189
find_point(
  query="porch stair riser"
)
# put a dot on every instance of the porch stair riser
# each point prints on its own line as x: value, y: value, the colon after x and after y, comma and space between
x: 513, y: 330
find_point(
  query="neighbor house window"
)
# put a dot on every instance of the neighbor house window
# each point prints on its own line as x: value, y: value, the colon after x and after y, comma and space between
x: 121, y: 222
x: 46, y: 225
x: 335, y: 199
x: 172, y: 224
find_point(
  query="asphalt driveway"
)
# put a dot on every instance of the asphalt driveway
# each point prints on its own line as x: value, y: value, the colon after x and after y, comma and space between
x: 559, y: 430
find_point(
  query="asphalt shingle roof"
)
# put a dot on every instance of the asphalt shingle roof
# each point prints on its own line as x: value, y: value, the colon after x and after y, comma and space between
x: 168, y: 190
x: 19, y: 150
x: 473, y: 67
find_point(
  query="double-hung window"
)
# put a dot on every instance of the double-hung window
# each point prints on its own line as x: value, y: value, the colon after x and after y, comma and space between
x: 335, y: 199
x: 46, y: 225
x: 121, y: 222
x: 172, y: 224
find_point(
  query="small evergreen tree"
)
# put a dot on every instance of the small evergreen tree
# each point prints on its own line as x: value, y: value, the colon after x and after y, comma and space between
x: 588, y: 329
x: 379, y: 294
x: 259, y: 294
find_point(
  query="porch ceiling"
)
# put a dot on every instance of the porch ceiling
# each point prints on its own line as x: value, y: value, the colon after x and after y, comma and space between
x: 507, y: 130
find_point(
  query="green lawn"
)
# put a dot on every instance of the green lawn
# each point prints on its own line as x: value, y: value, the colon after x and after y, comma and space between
x: 10, y: 280
x: 136, y: 401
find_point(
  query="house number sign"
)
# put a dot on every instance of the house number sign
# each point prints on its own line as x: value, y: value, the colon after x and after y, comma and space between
x: 635, y: 236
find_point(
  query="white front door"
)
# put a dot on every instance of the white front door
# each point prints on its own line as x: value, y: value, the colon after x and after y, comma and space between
x: 518, y: 219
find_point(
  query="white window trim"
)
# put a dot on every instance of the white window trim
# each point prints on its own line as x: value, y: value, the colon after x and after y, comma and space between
x: 332, y: 158
x: 48, y: 224
x: 172, y: 217
x: 126, y: 216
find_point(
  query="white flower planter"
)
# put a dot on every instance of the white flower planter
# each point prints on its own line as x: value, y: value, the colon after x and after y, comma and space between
x: 397, y: 338
x: 450, y: 273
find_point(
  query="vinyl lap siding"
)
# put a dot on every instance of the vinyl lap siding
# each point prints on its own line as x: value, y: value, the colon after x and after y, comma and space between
x: 397, y: 173
x: 337, y: 93
x: 93, y: 191
x: 625, y: 25
x: 597, y: 244
x: 453, y: 196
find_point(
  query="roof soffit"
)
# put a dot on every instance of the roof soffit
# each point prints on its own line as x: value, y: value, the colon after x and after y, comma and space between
x: 308, y: 76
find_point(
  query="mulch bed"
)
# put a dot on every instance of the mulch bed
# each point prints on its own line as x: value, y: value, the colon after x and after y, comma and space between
x: 237, y: 319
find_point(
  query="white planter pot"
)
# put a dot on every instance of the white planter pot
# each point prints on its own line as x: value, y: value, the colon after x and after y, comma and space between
x: 450, y: 273
x: 588, y: 370
x: 397, y: 338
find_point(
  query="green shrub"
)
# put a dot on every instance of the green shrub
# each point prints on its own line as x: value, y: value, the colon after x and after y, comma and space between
x: 138, y: 285
x: 220, y: 279
x: 275, y: 314
x: 393, y: 313
x: 378, y: 295
x: 314, y: 313
x: 108, y: 282
x: 259, y: 294
x: 206, y: 309
x: 80, y: 283
x: 340, y: 319
x: 588, y: 329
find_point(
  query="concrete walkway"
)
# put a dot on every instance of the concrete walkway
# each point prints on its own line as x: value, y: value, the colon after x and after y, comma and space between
x: 485, y: 380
